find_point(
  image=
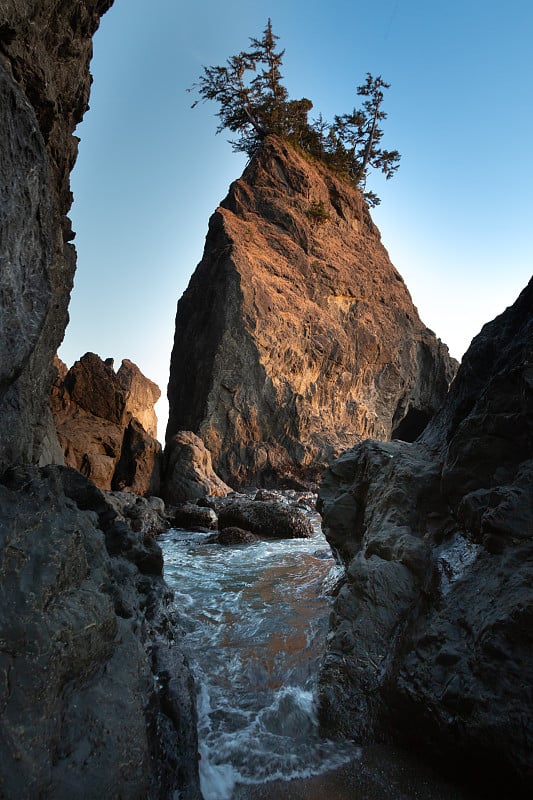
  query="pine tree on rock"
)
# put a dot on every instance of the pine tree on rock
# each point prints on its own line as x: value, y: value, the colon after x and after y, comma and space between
x: 254, y: 103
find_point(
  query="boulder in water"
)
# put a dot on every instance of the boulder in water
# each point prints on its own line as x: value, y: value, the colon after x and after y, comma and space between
x: 229, y: 536
x: 267, y: 519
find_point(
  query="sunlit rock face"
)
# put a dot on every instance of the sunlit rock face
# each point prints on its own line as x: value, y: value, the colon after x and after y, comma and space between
x: 44, y: 89
x: 188, y: 471
x: 297, y: 337
x: 99, y: 416
x: 432, y: 633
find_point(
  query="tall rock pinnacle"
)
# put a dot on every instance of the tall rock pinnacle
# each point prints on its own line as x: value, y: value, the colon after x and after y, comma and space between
x: 296, y: 336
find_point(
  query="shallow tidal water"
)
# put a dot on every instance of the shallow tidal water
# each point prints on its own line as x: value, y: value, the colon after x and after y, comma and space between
x: 256, y: 617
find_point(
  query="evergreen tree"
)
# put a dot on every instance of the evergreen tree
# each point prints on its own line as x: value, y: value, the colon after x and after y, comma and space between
x: 272, y: 96
x: 361, y: 133
x: 252, y: 100
x: 253, y: 103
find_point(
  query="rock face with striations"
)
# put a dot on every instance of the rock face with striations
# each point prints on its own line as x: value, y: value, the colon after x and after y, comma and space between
x: 98, y: 415
x: 296, y: 336
x: 432, y: 633
x: 44, y: 89
x: 188, y: 471
x: 97, y: 699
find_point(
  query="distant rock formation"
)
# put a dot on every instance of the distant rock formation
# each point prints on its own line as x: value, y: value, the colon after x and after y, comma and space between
x: 140, y: 395
x: 432, y: 633
x: 98, y: 416
x: 296, y: 336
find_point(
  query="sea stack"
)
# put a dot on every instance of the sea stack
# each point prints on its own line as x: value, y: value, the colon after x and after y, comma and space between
x: 297, y: 337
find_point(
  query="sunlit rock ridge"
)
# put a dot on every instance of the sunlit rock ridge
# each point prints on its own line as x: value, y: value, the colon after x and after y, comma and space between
x: 296, y: 336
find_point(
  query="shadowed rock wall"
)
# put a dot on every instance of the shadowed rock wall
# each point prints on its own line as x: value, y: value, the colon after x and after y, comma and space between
x: 432, y: 632
x: 86, y: 623
x: 97, y: 699
x: 45, y: 49
x: 296, y: 336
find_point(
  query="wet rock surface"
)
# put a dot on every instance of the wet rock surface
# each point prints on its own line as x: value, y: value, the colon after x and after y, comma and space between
x: 192, y: 517
x: 86, y: 623
x: 432, y: 632
x: 296, y: 339
x: 230, y: 536
x: 271, y: 519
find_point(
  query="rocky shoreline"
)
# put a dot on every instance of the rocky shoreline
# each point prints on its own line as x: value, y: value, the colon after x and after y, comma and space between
x: 431, y: 641
x: 380, y: 773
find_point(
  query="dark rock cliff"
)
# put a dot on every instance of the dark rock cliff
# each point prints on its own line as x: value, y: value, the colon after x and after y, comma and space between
x: 432, y: 632
x: 45, y: 49
x: 296, y: 336
x: 106, y: 423
x: 86, y: 622
x: 96, y: 697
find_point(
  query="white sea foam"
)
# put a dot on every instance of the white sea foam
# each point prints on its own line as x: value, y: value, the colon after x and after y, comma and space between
x: 217, y: 781
x: 257, y: 626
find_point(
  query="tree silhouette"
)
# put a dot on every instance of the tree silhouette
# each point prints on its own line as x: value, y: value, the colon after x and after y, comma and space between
x: 361, y: 133
x: 254, y: 103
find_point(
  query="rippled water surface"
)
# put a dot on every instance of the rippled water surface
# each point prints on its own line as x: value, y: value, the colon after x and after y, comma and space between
x: 258, y: 617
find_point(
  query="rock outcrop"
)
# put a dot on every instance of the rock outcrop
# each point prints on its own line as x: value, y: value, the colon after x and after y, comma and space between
x: 96, y: 697
x: 99, y: 417
x: 140, y: 396
x: 86, y: 626
x: 296, y: 336
x: 267, y: 519
x: 44, y: 89
x: 188, y: 471
x: 432, y: 632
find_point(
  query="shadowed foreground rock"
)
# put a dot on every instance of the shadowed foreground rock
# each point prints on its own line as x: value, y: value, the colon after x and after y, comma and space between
x: 85, y: 618
x: 432, y: 633
x: 85, y: 624
x: 296, y: 338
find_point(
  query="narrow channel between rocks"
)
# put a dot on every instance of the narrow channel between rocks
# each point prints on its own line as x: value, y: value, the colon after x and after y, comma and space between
x: 256, y: 617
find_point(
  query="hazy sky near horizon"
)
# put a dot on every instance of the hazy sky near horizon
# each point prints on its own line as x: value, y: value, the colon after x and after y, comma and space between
x: 456, y: 219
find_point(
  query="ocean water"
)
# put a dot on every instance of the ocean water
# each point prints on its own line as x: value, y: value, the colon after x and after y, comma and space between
x: 257, y: 619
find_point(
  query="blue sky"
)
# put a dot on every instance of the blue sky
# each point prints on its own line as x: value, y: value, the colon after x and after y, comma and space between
x: 456, y: 219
